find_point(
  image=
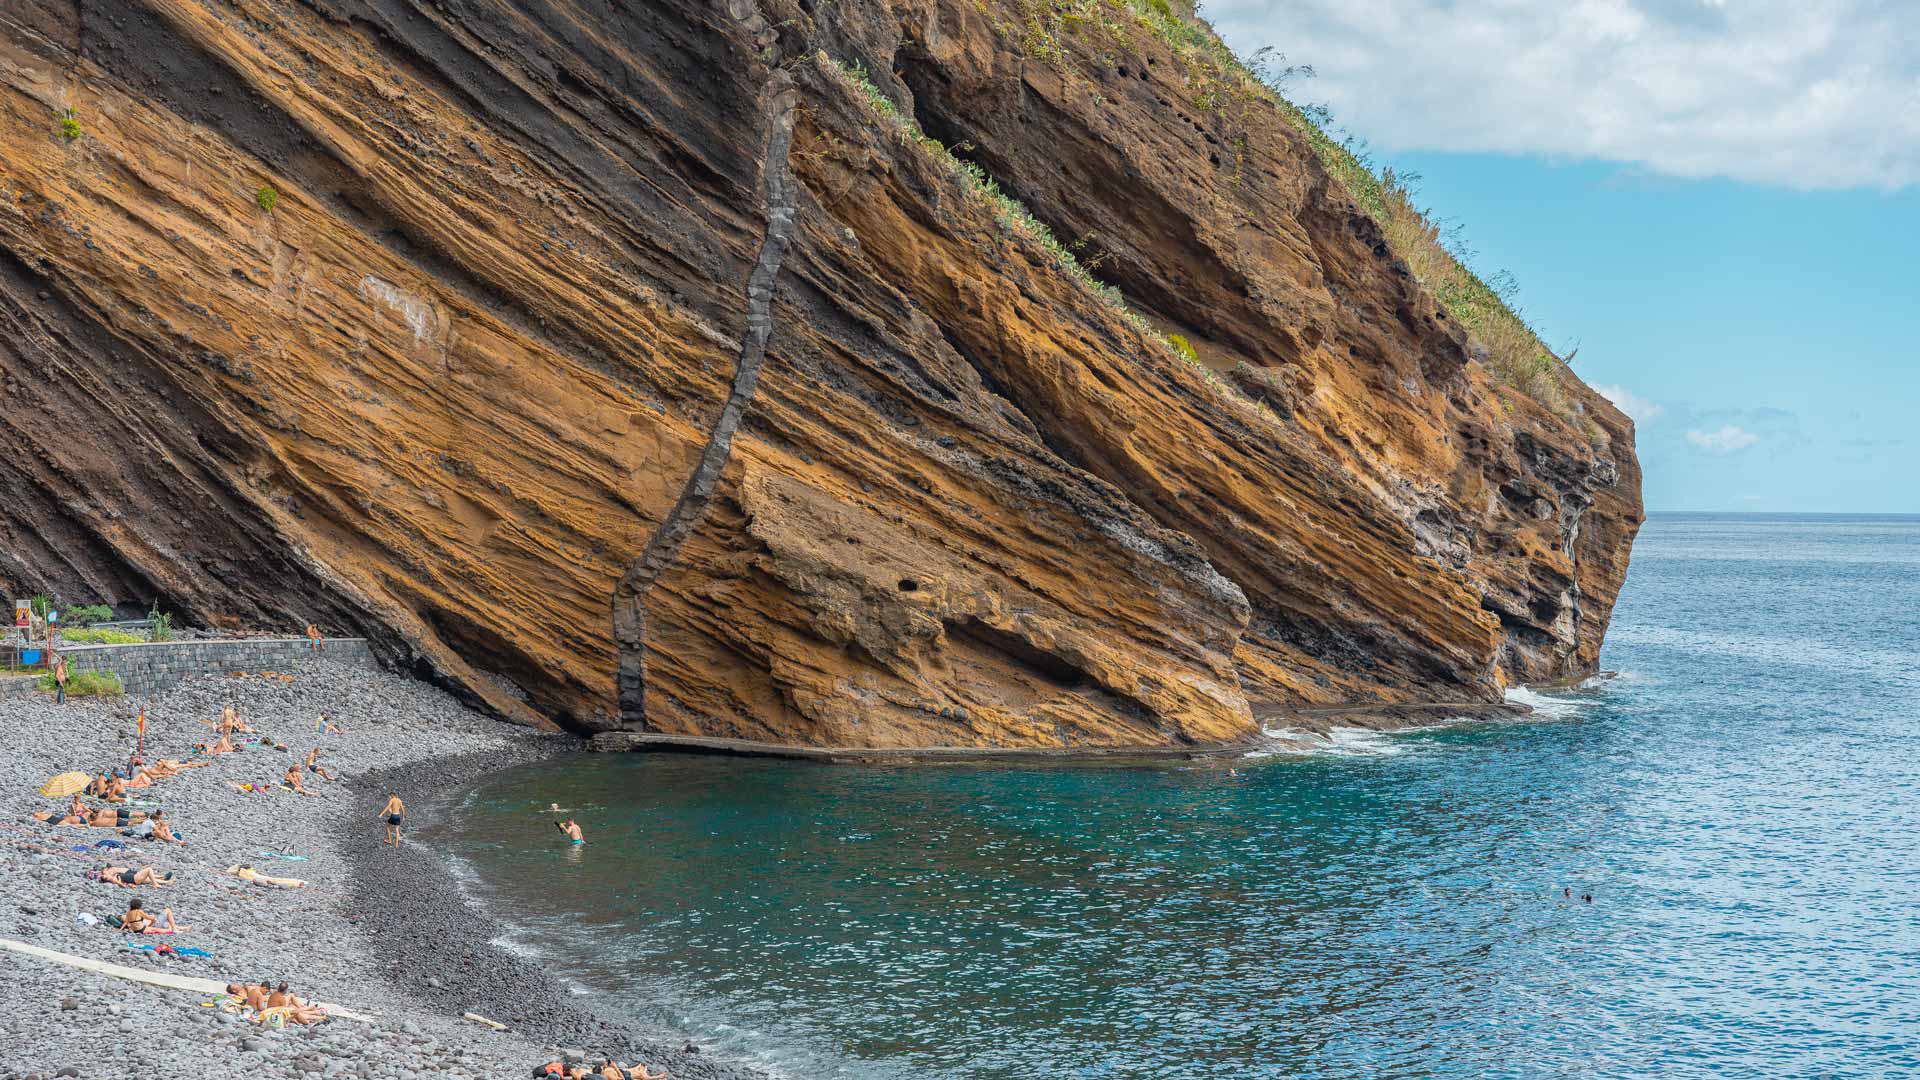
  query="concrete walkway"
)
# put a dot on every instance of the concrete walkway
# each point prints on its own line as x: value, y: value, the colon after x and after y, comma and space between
x: 153, y: 978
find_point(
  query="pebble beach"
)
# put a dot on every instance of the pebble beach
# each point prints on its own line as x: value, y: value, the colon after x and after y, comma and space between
x: 379, y: 931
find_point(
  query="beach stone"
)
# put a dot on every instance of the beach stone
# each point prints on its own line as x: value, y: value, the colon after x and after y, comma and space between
x: 252, y: 1045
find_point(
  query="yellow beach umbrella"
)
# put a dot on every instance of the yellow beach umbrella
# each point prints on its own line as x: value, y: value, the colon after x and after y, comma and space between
x: 65, y: 784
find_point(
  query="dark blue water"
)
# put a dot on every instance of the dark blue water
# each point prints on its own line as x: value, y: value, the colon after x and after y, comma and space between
x: 1743, y: 804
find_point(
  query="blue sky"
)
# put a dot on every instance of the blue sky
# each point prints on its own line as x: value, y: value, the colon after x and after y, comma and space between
x: 1718, y: 201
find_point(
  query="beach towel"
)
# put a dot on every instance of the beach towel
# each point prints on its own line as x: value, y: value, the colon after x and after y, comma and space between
x: 111, y: 844
x: 165, y: 950
x: 278, y: 855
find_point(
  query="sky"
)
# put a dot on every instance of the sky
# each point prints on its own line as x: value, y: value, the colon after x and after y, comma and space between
x: 1716, y: 201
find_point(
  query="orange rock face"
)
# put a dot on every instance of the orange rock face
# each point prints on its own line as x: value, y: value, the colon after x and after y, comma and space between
x: 444, y: 390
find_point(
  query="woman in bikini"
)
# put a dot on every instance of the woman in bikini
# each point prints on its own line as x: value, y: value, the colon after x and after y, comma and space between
x: 138, y: 921
x: 393, y: 812
x: 572, y: 830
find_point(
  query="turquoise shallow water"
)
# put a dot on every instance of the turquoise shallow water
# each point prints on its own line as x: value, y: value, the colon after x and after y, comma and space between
x: 1743, y: 804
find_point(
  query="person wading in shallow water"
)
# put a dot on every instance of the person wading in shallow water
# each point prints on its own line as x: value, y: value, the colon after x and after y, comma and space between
x: 393, y: 812
x: 572, y: 830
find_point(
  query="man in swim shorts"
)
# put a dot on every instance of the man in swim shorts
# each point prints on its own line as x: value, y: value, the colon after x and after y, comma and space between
x: 314, y: 766
x: 393, y: 812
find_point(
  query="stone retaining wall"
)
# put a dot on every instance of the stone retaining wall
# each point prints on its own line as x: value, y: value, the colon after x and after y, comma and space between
x: 150, y: 667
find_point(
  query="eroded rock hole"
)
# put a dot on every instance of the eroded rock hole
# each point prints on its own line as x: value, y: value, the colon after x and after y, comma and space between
x: 909, y: 585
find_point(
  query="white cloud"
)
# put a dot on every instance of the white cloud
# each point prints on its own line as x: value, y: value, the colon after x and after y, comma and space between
x: 1729, y: 439
x: 1802, y: 93
x: 1643, y: 411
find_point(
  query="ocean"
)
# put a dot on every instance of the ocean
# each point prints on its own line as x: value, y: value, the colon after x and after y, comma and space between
x: 1741, y: 803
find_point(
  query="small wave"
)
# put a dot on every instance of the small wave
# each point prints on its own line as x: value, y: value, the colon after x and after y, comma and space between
x: 1545, y: 705
x: 1339, y: 742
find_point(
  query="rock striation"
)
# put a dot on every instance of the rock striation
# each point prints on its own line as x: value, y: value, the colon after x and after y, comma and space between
x: 414, y: 319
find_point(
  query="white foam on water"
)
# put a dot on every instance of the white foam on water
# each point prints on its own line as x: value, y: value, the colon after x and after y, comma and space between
x: 1339, y: 742
x: 1546, y: 706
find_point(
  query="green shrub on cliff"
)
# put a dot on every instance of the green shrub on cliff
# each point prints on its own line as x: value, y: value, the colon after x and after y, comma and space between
x: 1510, y: 348
x: 70, y: 128
x: 1015, y: 219
x: 86, y: 614
x: 267, y: 198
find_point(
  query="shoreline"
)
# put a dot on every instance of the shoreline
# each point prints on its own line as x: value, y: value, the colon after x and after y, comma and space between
x: 1306, y: 721
x: 386, y: 934
x: 440, y: 929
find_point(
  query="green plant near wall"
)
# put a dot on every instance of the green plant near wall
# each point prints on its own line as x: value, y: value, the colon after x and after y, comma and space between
x: 159, y: 625
x: 267, y: 198
x: 100, y: 636
x: 86, y: 684
x: 70, y: 128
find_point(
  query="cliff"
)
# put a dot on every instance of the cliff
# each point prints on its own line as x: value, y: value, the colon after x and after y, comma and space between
x: 413, y: 319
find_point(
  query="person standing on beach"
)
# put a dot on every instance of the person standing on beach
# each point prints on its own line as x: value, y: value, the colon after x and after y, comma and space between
x: 59, y: 679
x: 313, y: 638
x: 393, y: 812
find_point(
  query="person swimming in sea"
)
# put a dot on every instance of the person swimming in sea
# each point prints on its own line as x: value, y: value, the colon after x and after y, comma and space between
x: 571, y: 829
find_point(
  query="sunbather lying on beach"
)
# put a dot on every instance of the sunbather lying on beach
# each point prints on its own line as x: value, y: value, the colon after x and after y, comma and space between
x: 167, y: 767
x: 107, y: 817
x: 222, y: 745
x: 128, y: 877
x: 297, y: 1011
x: 610, y: 1070
x: 138, y: 921
x: 248, y: 873
x: 253, y: 995
x: 137, y: 774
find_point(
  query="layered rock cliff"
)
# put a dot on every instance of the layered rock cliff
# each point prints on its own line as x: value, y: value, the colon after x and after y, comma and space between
x: 414, y: 318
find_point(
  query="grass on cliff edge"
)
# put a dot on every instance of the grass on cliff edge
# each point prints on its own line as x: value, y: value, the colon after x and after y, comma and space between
x: 1016, y: 219
x: 1225, y: 83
